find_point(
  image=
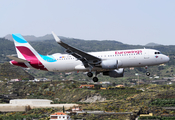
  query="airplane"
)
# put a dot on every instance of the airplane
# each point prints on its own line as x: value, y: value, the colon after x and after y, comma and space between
x: 109, y: 63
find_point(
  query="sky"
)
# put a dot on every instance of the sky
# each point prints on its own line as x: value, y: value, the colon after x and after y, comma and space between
x: 127, y: 21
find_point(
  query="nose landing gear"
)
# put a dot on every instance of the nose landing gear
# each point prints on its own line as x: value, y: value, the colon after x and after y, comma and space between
x: 147, y: 73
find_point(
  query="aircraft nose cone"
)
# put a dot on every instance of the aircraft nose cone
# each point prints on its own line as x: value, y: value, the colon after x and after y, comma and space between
x: 167, y: 58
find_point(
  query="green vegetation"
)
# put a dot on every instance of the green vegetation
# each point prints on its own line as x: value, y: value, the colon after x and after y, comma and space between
x: 8, y: 71
x: 63, y: 92
x: 159, y: 118
x: 155, y: 117
x: 39, y: 113
x: 163, y: 102
x: 117, y: 100
x: 118, y: 93
x: 99, y: 117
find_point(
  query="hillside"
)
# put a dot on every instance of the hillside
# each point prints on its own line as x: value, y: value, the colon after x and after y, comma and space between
x: 138, y: 100
x: 8, y: 71
x: 31, y: 37
x: 152, y: 44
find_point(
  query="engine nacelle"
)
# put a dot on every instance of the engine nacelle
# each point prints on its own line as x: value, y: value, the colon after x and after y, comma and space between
x: 111, y: 64
x: 115, y: 73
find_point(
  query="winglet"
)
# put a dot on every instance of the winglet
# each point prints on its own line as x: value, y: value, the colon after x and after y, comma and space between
x: 56, y: 37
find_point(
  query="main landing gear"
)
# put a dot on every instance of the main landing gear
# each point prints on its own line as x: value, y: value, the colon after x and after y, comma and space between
x: 90, y: 74
x: 95, y: 79
x: 147, y: 73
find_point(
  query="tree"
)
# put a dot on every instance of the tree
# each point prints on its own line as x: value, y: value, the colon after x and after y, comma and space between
x: 63, y: 109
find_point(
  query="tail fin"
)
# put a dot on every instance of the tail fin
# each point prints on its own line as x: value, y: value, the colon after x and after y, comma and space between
x: 23, y: 48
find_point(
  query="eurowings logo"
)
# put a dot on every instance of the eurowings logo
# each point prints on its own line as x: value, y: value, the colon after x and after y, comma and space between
x: 61, y: 56
x: 156, y: 56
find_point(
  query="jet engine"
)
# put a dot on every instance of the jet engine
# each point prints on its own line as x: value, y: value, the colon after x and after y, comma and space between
x: 115, y: 73
x: 111, y: 64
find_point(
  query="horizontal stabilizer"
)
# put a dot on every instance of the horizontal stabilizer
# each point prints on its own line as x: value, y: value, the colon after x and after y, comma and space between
x: 17, y: 59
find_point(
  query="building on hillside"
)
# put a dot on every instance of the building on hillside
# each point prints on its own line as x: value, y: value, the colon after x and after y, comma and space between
x: 59, y: 116
x: 26, y: 104
x: 68, y: 73
x: 132, y: 68
x: 76, y: 109
x: 86, y: 86
x: 41, y: 80
x: 160, y: 82
x: 169, y: 83
x: 31, y: 101
x: 162, y: 65
x: 105, y: 82
x: 169, y: 78
x: 157, y: 77
x: 103, y: 88
x: 14, y: 80
x: 119, y: 86
x: 150, y: 114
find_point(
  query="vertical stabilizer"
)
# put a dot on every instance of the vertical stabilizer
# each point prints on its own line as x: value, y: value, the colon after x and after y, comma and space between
x: 23, y: 48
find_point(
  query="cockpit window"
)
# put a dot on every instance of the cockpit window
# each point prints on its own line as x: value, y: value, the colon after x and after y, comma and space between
x: 157, y: 52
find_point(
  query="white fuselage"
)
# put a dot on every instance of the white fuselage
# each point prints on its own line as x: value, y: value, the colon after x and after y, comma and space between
x: 127, y: 58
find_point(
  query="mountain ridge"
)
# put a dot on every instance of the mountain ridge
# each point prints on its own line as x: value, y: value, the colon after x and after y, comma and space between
x: 152, y: 44
x: 50, y: 37
x: 32, y: 37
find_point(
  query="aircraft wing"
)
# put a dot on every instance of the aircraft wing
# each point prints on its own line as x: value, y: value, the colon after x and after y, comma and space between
x: 87, y: 59
x: 17, y: 59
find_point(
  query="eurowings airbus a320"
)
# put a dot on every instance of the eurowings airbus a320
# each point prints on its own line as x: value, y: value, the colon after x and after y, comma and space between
x: 110, y: 63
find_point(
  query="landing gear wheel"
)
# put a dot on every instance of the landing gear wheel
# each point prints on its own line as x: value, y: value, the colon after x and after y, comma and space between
x: 147, y: 73
x: 95, y: 79
x: 89, y: 74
